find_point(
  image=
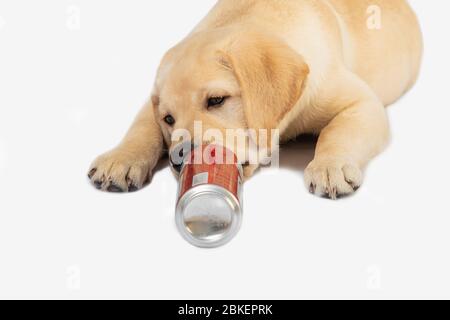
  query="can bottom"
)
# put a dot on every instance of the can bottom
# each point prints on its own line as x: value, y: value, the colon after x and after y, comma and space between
x: 208, y: 216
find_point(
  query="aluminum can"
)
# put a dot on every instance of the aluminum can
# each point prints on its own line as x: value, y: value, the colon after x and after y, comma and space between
x: 209, y: 206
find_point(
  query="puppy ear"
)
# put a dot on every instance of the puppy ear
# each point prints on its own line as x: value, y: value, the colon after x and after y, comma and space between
x: 271, y: 76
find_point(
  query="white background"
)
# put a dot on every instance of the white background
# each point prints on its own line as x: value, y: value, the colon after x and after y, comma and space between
x: 68, y: 94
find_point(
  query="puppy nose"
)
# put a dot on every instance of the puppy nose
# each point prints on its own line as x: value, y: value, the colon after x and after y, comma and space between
x: 178, y: 153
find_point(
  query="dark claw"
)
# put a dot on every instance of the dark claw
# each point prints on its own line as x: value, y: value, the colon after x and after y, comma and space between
x: 312, y: 188
x: 98, y: 184
x: 132, y: 188
x: 355, y: 187
x: 114, y: 188
x: 92, y: 172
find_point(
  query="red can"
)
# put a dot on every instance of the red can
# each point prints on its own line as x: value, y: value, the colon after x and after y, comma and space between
x: 209, y: 207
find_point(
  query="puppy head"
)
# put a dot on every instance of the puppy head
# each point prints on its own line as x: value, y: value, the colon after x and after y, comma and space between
x: 221, y: 82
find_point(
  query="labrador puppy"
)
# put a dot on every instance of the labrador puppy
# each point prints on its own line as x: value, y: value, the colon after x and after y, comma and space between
x: 323, y: 67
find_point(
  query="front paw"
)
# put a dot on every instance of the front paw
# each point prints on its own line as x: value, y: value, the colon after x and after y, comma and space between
x: 121, y: 171
x: 333, y: 178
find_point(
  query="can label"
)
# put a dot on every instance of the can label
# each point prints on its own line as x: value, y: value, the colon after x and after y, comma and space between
x: 211, y: 164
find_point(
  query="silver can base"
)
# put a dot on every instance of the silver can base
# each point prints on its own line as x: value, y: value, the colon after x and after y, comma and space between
x: 208, y: 216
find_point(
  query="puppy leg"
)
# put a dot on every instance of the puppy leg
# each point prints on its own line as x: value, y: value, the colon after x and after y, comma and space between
x: 129, y: 166
x: 355, y: 135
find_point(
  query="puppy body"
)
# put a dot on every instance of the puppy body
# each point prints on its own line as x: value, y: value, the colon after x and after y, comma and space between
x: 334, y: 38
x: 321, y: 67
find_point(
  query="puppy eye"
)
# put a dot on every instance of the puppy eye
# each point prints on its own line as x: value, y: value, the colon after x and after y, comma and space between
x: 216, y: 101
x: 169, y: 120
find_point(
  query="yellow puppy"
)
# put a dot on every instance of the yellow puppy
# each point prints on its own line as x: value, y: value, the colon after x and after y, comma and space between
x: 326, y: 67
